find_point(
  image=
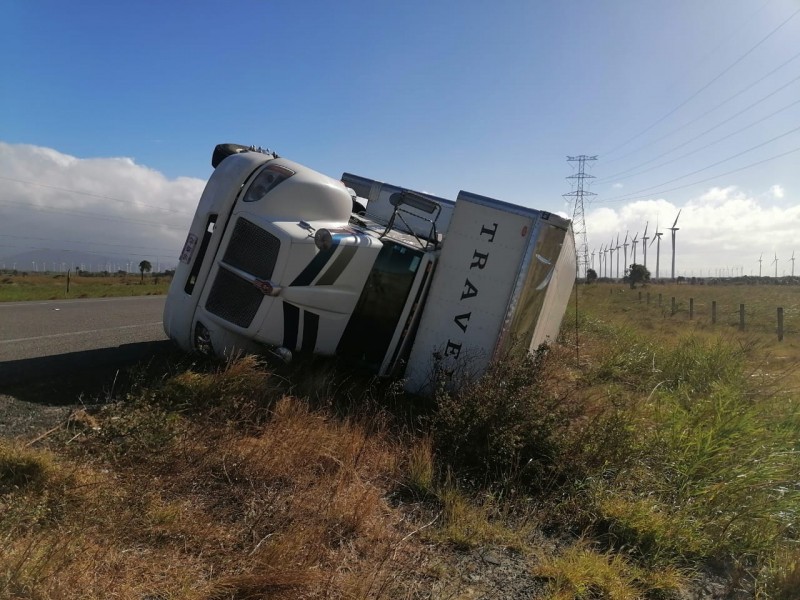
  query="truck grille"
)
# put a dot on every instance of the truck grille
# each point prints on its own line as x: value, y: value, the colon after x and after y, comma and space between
x: 233, y: 299
x: 252, y: 250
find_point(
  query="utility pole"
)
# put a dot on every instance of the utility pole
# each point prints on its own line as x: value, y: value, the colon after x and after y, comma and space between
x: 577, y: 196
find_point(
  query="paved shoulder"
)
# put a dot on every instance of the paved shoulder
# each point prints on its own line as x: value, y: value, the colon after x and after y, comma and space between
x: 38, y: 339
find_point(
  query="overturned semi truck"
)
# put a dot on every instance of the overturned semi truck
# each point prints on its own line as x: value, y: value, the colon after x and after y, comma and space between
x: 283, y: 259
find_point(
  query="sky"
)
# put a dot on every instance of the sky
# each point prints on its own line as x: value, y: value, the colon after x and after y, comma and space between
x: 109, y: 113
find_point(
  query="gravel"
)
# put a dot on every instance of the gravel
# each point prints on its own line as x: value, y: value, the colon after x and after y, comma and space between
x: 26, y: 420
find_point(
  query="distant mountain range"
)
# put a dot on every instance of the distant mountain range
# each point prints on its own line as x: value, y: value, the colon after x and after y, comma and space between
x: 61, y: 261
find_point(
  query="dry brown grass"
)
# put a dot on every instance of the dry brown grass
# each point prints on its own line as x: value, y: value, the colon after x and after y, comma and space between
x: 296, y: 508
x: 232, y: 482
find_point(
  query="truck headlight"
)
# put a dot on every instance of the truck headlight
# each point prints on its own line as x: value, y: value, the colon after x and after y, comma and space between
x: 271, y: 176
x: 202, y: 339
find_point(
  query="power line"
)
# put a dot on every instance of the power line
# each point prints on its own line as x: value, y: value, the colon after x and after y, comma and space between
x: 777, y: 137
x: 724, y: 40
x: 712, y: 109
x: 712, y: 178
x: 780, y: 110
x: 707, y: 85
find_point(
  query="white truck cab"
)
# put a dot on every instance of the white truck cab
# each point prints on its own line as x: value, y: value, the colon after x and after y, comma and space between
x: 284, y: 259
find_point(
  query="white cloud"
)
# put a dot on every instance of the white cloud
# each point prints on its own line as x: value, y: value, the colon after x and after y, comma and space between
x: 722, y: 227
x: 114, y: 207
x: 618, y: 186
x: 111, y: 208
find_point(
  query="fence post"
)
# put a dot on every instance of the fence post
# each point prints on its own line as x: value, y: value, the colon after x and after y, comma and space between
x: 640, y: 296
x: 691, y: 308
x: 713, y: 312
x: 659, y: 299
x: 741, y: 317
x: 673, y: 305
x: 780, y: 323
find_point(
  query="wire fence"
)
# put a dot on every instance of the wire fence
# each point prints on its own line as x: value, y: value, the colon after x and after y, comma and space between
x: 754, y: 314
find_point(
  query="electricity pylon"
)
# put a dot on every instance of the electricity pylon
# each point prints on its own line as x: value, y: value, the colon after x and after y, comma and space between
x: 578, y: 194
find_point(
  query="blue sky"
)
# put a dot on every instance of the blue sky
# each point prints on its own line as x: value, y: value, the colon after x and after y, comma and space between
x: 435, y: 96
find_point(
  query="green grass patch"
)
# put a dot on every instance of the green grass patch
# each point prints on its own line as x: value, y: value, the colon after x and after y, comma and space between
x: 25, y: 287
x: 583, y: 573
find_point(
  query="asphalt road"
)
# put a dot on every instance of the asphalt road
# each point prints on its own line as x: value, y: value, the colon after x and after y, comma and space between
x: 46, y: 339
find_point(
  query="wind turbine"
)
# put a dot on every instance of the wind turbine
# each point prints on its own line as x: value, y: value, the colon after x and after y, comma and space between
x: 775, y: 262
x: 673, y: 229
x: 759, y: 264
x: 657, y: 238
x: 599, y: 261
x: 792, y: 259
x: 625, y: 246
x: 633, y: 243
x: 618, y: 247
x: 611, y: 248
x: 644, y: 243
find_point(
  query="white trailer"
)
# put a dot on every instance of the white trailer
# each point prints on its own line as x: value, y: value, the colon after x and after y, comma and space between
x: 283, y: 259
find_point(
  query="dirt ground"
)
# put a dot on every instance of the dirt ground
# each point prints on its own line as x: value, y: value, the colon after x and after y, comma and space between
x: 26, y: 420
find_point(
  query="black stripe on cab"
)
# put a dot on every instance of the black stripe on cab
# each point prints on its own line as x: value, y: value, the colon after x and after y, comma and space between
x: 291, y: 323
x: 316, y: 265
x: 310, y: 329
x: 332, y: 274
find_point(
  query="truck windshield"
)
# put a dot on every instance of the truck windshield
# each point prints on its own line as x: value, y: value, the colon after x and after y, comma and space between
x: 374, y: 320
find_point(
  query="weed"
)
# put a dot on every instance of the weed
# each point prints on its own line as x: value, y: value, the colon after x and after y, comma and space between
x: 695, y: 366
x: 501, y: 426
x: 421, y: 468
x: 581, y: 572
x: 22, y: 467
x: 779, y: 579
x: 468, y: 521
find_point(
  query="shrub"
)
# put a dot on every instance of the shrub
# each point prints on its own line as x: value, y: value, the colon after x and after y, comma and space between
x: 21, y: 467
x: 502, y: 425
x: 240, y: 391
x: 695, y: 366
